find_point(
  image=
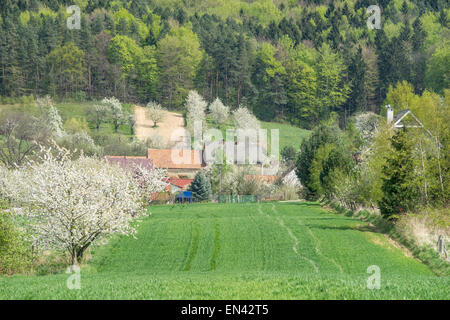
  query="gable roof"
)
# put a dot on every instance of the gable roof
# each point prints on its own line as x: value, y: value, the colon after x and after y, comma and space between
x: 400, y: 116
x: 130, y: 163
x: 162, y: 158
x: 180, y: 183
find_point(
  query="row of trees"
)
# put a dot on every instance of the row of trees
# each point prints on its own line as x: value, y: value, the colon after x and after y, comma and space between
x: 301, y: 65
x: 93, y: 132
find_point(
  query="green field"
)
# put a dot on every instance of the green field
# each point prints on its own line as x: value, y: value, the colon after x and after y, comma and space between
x: 289, y: 135
x: 242, y: 251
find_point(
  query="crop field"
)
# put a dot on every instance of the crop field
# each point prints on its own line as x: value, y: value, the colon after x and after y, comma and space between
x: 242, y: 251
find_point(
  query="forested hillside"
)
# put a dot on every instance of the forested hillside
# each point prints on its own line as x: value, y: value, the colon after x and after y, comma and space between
x: 287, y: 60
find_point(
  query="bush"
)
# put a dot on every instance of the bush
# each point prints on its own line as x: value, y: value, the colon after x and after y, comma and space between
x: 75, y: 125
x: 288, y: 154
x: 15, y: 254
x: 80, y: 142
x: 322, y: 135
x: 79, y: 96
x: 27, y: 100
x: 118, y: 145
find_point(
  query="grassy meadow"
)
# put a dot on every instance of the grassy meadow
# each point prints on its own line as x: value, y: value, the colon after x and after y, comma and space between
x: 242, y: 251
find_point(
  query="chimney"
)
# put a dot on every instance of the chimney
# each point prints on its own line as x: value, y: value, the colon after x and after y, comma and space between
x: 390, y: 114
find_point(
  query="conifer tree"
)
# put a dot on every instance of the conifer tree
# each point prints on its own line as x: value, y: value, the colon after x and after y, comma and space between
x: 399, y: 188
x: 200, y: 187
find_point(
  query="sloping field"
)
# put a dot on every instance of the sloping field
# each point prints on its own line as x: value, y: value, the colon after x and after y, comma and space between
x: 165, y: 129
x: 242, y: 251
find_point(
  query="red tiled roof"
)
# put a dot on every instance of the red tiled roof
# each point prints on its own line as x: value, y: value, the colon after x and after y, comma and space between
x: 181, y: 183
x: 162, y: 158
x: 130, y: 162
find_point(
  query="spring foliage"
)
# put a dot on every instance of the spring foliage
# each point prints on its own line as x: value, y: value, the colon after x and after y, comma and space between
x: 244, y: 119
x: 200, y: 187
x: 155, y: 112
x: 219, y: 112
x: 73, y: 203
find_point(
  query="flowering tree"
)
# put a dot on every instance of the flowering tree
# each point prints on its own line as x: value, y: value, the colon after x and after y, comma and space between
x: 155, y: 112
x: 51, y: 116
x: 97, y: 113
x: 244, y: 119
x: 366, y: 124
x: 116, y: 111
x: 196, y: 107
x: 73, y: 203
x: 20, y: 133
x: 219, y: 112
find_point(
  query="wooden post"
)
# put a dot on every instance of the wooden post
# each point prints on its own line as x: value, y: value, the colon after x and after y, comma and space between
x: 441, y: 247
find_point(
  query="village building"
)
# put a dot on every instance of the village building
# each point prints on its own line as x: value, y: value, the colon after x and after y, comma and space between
x: 183, y: 164
x: 177, y: 185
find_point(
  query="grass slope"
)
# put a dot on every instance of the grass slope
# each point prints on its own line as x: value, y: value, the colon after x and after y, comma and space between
x: 288, y: 135
x: 242, y: 251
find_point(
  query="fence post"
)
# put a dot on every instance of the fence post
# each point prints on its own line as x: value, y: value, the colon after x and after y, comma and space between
x: 441, y: 247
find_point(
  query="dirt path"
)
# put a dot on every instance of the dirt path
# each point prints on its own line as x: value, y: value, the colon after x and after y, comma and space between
x: 145, y: 130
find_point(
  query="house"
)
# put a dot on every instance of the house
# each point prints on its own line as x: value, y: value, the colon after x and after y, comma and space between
x: 177, y: 185
x: 400, y: 120
x: 178, y: 163
x: 405, y: 119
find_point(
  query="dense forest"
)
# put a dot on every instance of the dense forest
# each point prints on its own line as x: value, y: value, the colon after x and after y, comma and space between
x: 295, y: 61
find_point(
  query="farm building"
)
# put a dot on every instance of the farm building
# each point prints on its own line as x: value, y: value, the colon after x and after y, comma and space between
x: 185, y: 164
x: 177, y: 185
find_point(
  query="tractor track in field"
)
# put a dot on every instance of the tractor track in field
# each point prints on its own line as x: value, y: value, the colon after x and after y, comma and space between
x: 261, y: 233
x: 317, y: 247
x: 295, y: 239
x: 193, y: 248
x: 212, y: 263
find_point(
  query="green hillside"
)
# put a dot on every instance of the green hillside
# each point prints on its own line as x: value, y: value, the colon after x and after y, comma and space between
x: 235, y: 251
x: 289, y: 135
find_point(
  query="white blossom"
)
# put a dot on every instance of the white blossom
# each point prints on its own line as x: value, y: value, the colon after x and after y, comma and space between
x: 155, y: 112
x: 116, y: 110
x: 219, y: 111
x: 51, y: 115
x: 72, y: 203
x: 195, y: 106
x: 366, y: 124
x: 244, y: 119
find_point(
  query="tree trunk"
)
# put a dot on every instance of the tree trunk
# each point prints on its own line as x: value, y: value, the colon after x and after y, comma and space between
x: 439, y: 167
x: 425, y: 184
